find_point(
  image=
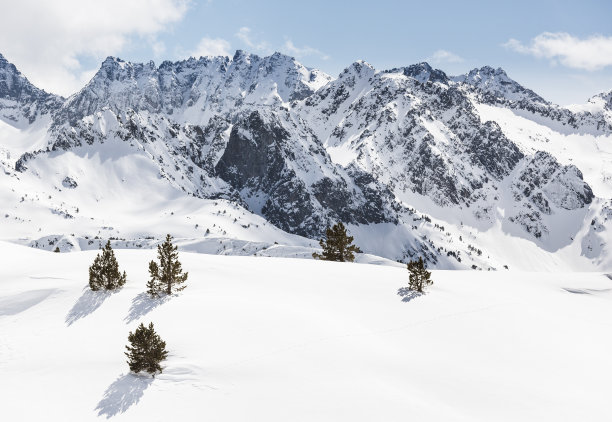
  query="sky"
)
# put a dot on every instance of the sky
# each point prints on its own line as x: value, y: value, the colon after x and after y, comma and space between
x: 560, y: 49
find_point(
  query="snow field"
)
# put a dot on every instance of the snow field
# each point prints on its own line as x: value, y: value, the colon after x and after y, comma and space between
x: 254, y: 338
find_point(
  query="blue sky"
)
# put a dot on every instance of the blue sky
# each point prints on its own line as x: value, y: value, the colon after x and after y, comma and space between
x: 560, y: 49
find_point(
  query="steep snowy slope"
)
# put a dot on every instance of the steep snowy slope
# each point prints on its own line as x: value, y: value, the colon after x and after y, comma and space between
x: 265, y: 339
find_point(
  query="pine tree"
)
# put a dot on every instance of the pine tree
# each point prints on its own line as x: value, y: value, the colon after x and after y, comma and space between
x: 168, y: 276
x: 420, y: 278
x: 104, y: 272
x: 337, y: 245
x: 57, y: 249
x: 146, y: 350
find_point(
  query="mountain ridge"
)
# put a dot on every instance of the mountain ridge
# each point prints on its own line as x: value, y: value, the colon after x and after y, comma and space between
x: 303, y: 150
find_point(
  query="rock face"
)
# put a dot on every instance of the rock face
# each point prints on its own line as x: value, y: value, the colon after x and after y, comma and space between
x: 544, y: 180
x: 304, y: 150
x: 545, y: 187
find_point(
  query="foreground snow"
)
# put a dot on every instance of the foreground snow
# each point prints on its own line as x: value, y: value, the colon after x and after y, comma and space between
x: 266, y: 339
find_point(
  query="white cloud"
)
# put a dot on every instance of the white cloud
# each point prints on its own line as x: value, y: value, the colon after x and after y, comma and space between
x: 212, y: 47
x: 303, y: 51
x: 47, y: 40
x: 244, y: 35
x: 591, y: 53
x: 444, y: 56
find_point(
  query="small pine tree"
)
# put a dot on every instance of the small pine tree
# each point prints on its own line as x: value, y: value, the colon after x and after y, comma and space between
x: 337, y: 245
x: 104, y: 272
x: 146, y: 350
x: 57, y: 249
x: 168, y: 276
x: 420, y: 278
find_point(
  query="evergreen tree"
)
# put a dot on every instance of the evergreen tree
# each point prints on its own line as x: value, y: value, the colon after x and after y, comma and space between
x: 420, y: 278
x: 57, y: 249
x: 104, y: 272
x: 167, y: 276
x: 146, y: 350
x: 337, y: 245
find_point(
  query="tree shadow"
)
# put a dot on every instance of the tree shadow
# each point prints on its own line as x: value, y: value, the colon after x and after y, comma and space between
x: 124, y: 392
x: 142, y: 304
x: 86, y: 304
x: 407, y: 295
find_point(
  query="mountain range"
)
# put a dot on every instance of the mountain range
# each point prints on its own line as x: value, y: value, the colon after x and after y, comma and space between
x: 249, y: 154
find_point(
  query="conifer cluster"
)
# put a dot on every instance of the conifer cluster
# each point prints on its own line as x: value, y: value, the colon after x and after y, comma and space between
x: 337, y: 245
x: 146, y: 349
x: 104, y: 272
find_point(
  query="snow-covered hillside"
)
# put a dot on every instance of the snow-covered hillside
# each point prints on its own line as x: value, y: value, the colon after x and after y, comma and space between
x: 264, y: 339
x: 471, y: 171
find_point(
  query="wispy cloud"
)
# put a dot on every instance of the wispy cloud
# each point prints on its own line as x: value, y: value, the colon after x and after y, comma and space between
x: 212, y: 47
x: 592, y: 53
x: 159, y: 48
x: 48, y: 40
x: 245, y: 35
x: 444, y: 56
x: 299, y: 52
x: 255, y: 44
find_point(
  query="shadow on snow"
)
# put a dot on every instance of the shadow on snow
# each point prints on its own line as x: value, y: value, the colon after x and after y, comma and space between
x: 142, y: 304
x: 407, y: 295
x: 86, y: 304
x: 124, y: 392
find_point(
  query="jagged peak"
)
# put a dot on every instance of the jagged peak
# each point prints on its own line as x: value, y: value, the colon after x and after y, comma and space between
x: 241, y: 55
x: 360, y: 68
x: 281, y: 56
x: 111, y: 59
x: 4, y: 64
x: 485, y: 73
x: 497, y: 81
x: 422, y: 66
x: 423, y: 72
x: 606, y: 96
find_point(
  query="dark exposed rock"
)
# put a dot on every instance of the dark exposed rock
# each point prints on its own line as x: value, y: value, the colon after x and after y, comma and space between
x: 259, y: 162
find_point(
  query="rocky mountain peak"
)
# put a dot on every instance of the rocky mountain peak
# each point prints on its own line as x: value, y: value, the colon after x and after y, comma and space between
x: 605, y: 97
x: 360, y: 68
x: 26, y: 100
x: 497, y: 85
x: 423, y: 72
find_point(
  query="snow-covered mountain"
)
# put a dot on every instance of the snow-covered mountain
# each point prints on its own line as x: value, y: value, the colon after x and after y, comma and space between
x: 468, y: 171
x: 21, y: 103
